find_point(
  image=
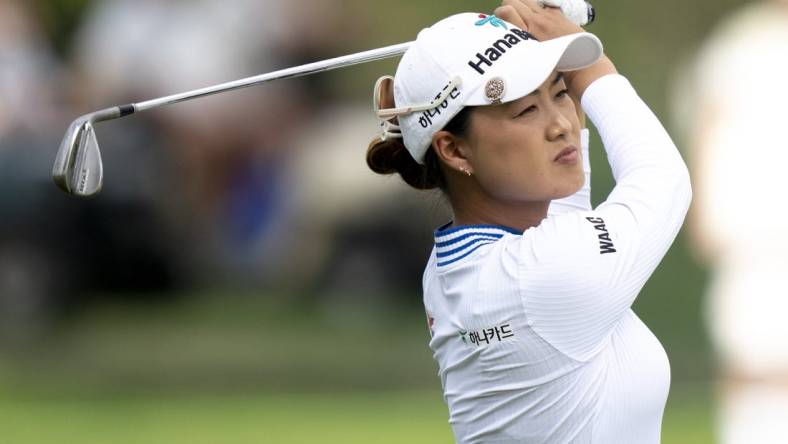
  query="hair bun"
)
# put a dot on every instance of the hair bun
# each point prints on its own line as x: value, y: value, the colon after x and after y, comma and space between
x: 390, y: 157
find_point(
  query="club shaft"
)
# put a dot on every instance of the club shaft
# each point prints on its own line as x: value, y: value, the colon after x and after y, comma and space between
x: 297, y: 71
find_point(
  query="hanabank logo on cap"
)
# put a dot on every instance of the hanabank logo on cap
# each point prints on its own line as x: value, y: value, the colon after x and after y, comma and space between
x: 498, y: 48
x: 493, y: 20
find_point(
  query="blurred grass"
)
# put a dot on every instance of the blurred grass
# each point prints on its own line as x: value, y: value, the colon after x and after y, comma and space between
x: 221, y: 342
x: 411, y: 417
x: 368, y: 417
x: 237, y: 369
x: 234, y: 342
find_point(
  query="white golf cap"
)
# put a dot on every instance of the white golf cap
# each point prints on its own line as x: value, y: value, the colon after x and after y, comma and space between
x: 472, y: 60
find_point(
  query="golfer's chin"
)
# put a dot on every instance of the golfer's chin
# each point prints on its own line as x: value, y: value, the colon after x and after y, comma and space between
x: 570, y: 183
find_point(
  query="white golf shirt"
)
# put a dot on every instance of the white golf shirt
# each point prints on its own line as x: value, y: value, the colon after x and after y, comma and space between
x: 533, y: 332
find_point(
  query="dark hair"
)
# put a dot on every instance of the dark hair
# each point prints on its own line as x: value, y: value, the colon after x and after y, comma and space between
x: 391, y: 156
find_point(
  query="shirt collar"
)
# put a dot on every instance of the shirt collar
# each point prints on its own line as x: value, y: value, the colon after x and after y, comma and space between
x: 455, y: 243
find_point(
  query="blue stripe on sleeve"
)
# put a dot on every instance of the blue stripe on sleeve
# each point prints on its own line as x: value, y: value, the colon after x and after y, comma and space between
x: 466, y: 236
x: 465, y: 246
x: 449, y: 262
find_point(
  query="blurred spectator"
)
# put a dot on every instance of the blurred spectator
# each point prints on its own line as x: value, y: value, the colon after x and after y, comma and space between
x: 28, y: 71
x: 218, y: 158
x: 364, y: 235
x: 54, y: 250
x: 735, y: 104
x: 264, y: 187
x: 29, y: 77
x: 235, y: 173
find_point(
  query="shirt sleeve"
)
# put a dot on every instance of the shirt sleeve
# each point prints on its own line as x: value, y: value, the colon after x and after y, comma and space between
x: 581, y: 271
x: 582, y: 199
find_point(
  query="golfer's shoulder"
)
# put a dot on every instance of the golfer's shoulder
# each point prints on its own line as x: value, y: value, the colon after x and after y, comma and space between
x: 560, y: 235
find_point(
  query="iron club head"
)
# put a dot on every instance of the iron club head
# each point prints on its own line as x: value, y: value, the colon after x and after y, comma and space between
x: 78, y: 169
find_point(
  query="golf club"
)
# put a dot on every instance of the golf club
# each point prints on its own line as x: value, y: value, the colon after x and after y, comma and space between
x: 78, y: 169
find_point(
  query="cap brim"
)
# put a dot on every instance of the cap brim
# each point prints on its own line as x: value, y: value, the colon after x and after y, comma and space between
x: 579, y: 51
x: 522, y: 76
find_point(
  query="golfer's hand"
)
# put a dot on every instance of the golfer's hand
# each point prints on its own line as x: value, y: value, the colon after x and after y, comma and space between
x: 544, y: 23
x: 549, y: 23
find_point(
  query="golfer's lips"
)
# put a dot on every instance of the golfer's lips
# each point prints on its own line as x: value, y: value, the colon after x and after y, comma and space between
x: 569, y: 154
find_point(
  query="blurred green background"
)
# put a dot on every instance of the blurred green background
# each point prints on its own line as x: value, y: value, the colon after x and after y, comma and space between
x: 220, y: 360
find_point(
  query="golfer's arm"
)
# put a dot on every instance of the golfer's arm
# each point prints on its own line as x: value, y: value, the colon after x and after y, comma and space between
x: 652, y: 181
x: 579, y: 81
x: 605, y: 256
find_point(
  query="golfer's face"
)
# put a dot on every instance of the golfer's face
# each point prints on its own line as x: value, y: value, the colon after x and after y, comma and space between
x: 529, y: 149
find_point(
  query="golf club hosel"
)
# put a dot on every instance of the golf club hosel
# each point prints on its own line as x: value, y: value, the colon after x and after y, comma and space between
x: 114, y: 112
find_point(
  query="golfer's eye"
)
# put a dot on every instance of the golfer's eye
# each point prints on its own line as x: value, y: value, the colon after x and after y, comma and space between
x: 531, y: 109
x: 562, y: 94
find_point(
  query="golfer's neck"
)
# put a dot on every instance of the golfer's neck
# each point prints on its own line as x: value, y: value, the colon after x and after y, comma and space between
x: 517, y: 215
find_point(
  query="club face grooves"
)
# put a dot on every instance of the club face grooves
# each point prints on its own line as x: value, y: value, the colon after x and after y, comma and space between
x: 88, y: 174
x: 62, y: 171
x: 78, y: 168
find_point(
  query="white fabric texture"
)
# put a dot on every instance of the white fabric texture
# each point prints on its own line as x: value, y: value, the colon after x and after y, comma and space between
x: 577, y: 365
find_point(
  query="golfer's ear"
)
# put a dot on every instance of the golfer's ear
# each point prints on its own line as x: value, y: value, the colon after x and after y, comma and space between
x: 451, y: 151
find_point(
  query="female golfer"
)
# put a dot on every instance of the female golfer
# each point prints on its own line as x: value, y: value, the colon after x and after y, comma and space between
x: 529, y: 312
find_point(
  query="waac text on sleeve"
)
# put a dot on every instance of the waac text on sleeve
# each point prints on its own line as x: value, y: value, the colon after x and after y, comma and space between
x: 605, y: 243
